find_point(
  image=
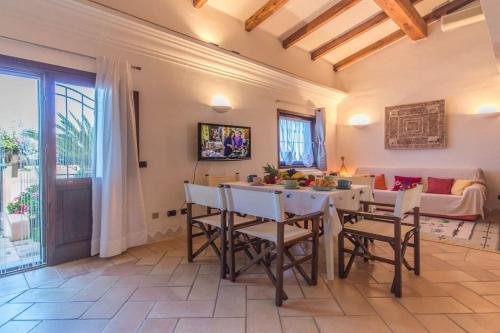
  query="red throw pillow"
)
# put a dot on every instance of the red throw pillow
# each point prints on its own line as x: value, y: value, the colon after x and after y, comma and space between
x: 439, y: 185
x: 380, y: 182
x: 404, y: 183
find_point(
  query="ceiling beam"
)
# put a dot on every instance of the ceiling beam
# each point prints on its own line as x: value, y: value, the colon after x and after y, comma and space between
x: 263, y: 13
x: 380, y: 44
x: 404, y: 14
x: 331, y: 13
x: 352, y: 33
x: 199, y: 3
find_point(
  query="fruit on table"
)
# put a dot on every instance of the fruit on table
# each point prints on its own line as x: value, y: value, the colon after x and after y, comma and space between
x: 268, y: 179
x: 322, y: 183
x: 298, y: 175
x: 271, y: 170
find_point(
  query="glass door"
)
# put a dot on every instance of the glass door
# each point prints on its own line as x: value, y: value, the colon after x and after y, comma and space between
x: 21, y: 171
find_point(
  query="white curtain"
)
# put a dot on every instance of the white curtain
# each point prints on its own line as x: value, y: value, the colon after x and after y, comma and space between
x: 118, y: 205
x: 295, y: 140
x: 320, y: 131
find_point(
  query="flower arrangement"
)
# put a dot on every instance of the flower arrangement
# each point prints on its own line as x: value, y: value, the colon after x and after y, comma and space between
x: 25, y: 203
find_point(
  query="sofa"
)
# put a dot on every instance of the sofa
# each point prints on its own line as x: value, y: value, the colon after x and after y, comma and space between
x: 468, y: 206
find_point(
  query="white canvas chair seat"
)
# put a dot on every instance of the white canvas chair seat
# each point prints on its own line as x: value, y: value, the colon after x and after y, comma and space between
x: 214, y: 220
x: 268, y: 232
x: 377, y: 228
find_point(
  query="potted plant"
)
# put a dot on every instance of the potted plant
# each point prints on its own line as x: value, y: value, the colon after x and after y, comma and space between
x: 22, y: 214
x: 270, y: 174
x: 9, y: 144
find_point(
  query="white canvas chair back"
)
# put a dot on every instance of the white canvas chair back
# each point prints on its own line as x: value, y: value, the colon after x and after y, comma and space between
x: 216, y: 180
x: 265, y: 204
x: 208, y: 196
x: 406, y: 200
x: 359, y: 180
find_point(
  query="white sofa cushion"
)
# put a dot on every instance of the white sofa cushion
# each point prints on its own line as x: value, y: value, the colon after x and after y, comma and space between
x: 470, y: 203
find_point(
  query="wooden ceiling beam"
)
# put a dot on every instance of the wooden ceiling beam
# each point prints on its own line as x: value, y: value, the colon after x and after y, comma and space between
x: 352, y: 33
x: 435, y: 15
x: 263, y: 13
x: 199, y: 3
x: 331, y: 13
x: 404, y: 14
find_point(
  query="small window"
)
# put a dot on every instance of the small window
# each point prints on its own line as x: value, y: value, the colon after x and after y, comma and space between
x: 296, y: 140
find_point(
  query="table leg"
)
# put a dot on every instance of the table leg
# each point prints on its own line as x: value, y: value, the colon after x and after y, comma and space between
x: 329, y: 249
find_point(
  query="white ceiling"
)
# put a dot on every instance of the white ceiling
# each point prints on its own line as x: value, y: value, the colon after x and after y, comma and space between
x: 299, y: 12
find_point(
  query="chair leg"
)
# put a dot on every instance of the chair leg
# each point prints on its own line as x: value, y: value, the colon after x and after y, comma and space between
x: 366, y: 244
x: 223, y: 246
x: 189, y: 232
x: 397, y: 284
x: 315, y: 257
x: 279, y: 263
x: 232, y: 260
x: 416, y: 241
x: 341, y: 255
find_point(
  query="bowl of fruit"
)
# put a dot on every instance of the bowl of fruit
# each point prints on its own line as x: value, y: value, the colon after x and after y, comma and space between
x: 292, y: 174
x: 322, y: 185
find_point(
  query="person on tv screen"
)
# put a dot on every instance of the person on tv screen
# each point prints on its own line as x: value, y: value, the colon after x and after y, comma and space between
x: 238, y: 140
x: 229, y: 144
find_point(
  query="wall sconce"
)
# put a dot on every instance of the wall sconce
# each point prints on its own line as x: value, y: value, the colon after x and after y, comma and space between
x: 359, y: 121
x: 488, y: 110
x: 221, y: 104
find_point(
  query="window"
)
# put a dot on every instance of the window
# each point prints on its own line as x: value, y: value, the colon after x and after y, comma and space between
x: 296, y: 140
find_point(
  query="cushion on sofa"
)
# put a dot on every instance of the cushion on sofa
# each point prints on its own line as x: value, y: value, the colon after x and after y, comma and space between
x: 404, y: 183
x: 380, y: 182
x: 460, y: 185
x: 439, y: 185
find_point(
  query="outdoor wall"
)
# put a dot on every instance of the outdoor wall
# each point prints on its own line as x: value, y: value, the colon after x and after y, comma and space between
x: 173, y: 99
x: 457, y: 66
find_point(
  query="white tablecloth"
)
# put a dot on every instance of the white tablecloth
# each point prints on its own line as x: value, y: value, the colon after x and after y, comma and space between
x: 306, y: 200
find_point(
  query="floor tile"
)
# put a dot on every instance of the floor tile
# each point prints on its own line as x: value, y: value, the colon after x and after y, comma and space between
x: 19, y: 326
x: 182, y: 309
x: 468, y: 298
x: 9, y: 311
x: 433, y: 305
x: 13, y: 284
x: 184, y: 275
x: 158, y: 326
x: 166, y: 266
x: 64, y: 310
x: 269, y: 292
x: 142, y: 281
x: 109, y: 304
x: 484, y: 287
x: 205, y: 287
x: 211, y: 325
x: 477, y: 322
x: 318, y: 291
x: 41, y: 276
x: 350, y: 299
x: 298, y: 325
x: 160, y: 294
x: 262, y: 316
x: 151, y: 259
x: 439, y: 323
x: 310, y: 308
x: 396, y: 316
x: 372, y: 324
x: 129, y: 318
x: 45, y: 295
x: 447, y: 276
x: 95, y: 289
x: 73, y: 326
x: 474, y: 270
x: 231, y: 302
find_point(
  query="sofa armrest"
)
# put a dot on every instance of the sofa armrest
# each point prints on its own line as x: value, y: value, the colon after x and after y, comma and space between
x: 475, y: 188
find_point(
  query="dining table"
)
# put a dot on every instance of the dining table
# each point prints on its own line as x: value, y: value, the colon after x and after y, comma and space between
x: 306, y: 200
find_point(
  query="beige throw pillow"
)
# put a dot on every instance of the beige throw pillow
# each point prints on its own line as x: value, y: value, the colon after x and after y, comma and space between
x: 460, y: 185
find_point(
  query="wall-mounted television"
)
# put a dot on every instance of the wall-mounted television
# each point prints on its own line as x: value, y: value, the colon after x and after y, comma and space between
x: 218, y: 142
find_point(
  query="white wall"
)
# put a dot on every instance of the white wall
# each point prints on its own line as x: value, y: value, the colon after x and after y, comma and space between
x: 457, y: 66
x: 173, y: 100
x: 210, y: 25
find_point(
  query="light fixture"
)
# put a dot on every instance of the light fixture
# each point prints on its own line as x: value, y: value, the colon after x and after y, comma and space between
x: 343, y: 169
x: 488, y: 110
x: 359, y: 120
x: 221, y: 104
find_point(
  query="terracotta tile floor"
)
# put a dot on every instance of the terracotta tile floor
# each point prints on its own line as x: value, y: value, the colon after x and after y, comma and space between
x: 152, y: 288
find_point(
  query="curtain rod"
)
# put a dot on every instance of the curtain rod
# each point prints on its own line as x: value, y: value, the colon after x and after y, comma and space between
x: 60, y: 50
x: 296, y: 104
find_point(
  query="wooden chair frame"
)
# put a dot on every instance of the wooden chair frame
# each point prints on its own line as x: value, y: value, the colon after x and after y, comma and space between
x: 361, y: 245
x: 265, y: 252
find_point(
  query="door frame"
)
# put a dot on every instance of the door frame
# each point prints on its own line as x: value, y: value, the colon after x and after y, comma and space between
x: 48, y: 75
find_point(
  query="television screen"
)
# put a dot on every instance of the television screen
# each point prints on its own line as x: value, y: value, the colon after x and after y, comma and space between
x: 223, y: 142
